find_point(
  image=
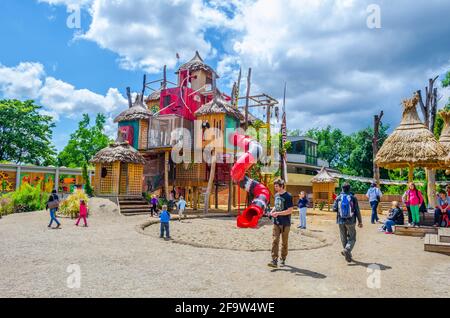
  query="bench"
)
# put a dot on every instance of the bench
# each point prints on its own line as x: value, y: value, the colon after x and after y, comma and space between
x: 444, y: 235
x: 436, y: 243
x: 415, y: 231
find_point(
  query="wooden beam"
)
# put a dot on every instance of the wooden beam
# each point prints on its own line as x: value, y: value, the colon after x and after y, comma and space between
x: 166, y: 173
x: 249, y: 78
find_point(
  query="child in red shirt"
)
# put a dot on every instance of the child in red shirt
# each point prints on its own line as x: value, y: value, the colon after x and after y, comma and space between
x: 83, y: 213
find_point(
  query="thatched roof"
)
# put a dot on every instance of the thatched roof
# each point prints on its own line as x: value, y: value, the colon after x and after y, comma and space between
x: 196, y: 64
x: 154, y: 96
x: 444, y: 140
x: 219, y: 106
x: 136, y: 112
x: 118, y: 151
x: 323, y: 177
x: 411, y: 144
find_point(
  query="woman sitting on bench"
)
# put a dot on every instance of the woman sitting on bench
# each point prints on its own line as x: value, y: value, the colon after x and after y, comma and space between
x: 395, y: 218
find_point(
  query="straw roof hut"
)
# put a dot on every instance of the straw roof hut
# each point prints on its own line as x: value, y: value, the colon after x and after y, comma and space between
x: 219, y: 106
x: 119, y: 170
x: 137, y: 111
x: 154, y: 96
x: 323, y: 177
x: 118, y: 151
x: 196, y: 64
x: 323, y: 186
x: 411, y: 144
x: 444, y: 140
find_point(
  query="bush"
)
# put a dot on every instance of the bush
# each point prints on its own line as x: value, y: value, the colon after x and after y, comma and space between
x: 6, y: 205
x: 71, y: 205
x: 29, y: 198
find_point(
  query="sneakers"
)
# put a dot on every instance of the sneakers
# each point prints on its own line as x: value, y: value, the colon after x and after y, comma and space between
x: 388, y: 232
x: 283, y: 262
x: 347, y: 254
x: 273, y: 264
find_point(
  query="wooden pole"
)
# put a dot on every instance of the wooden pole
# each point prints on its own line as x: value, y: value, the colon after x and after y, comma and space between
x: 411, y: 173
x: 165, y: 77
x: 247, y: 98
x: 210, y: 181
x: 166, y: 173
x: 230, y: 193
x: 375, y: 140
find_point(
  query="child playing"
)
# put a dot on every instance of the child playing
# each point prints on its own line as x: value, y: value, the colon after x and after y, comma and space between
x: 83, y: 213
x: 164, y: 219
x: 303, y: 208
x: 181, y: 207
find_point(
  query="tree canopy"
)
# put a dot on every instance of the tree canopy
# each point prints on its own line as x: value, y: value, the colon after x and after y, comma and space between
x: 25, y: 133
x: 84, y: 143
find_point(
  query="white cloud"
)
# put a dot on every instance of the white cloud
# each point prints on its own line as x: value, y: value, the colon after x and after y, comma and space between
x: 22, y: 81
x: 68, y: 3
x: 59, y: 99
x: 333, y: 63
x: 147, y: 34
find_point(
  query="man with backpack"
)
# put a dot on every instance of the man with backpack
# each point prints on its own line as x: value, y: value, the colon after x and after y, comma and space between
x: 347, y: 210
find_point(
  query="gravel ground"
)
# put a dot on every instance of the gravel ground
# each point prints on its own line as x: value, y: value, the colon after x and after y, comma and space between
x: 118, y: 261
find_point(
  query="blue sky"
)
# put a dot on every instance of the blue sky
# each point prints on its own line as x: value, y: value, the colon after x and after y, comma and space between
x: 339, y: 72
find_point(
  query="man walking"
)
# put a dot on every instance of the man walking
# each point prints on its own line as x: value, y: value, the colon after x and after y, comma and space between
x: 281, y: 214
x: 347, y: 210
x: 374, y: 195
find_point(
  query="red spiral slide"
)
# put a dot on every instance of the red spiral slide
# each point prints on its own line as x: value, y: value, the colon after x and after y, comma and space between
x: 250, y: 217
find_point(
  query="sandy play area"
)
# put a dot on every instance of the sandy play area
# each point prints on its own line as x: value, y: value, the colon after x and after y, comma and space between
x: 222, y: 233
x: 117, y: 259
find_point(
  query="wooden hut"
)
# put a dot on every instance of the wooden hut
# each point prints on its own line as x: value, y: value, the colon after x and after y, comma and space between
x: 118, y: 171
x: 323, y: 186
x: 411, y: 144
x: 134, y: 124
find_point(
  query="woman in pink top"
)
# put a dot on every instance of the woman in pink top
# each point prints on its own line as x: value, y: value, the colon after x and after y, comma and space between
x: 415, y: 200
x: 83, y: 213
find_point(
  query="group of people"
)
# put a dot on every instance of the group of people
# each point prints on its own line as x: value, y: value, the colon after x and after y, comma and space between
x: 53, y: 203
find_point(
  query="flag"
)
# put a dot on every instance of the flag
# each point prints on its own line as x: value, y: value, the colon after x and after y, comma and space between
x: 284, y: 137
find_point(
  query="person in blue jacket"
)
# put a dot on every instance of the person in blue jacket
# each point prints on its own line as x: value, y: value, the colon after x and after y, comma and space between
x: 164, y: 218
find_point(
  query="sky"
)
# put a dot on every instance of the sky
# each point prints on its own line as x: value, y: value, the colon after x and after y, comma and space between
x: 343, y: 60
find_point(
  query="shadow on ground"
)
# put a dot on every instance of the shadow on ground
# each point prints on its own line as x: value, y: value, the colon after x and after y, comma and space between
x: 371, y: 265
x: 299, y: 272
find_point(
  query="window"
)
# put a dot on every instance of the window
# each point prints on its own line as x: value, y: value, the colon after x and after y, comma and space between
x: 166, y: 101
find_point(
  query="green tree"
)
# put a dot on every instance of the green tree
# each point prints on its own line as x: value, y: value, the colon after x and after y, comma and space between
x: 439, y: 121
x: 25, y: 133
x: 360, y: 161
x: 84, y: 143
x: 333, y: 145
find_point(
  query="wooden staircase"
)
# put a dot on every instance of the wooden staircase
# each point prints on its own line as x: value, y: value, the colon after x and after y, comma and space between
x: 438, y: 243
x: 133, y: 205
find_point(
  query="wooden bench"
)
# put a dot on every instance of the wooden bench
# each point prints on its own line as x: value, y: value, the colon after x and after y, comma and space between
x: 415, y: 231
x: 433, y: 243
x: 444, y: 235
